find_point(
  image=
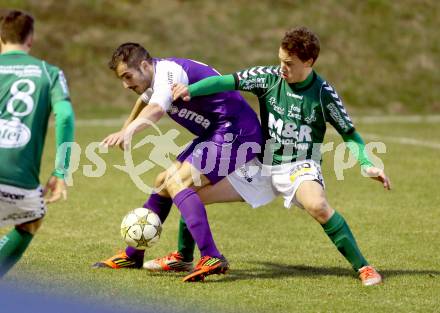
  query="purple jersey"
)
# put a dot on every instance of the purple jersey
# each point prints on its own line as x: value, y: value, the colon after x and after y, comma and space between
x: 222, y: 112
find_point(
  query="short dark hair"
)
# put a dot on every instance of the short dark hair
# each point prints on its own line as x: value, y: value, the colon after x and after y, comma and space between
x: 131, y: 54
x: 16, y: 26
x: 301, y: 42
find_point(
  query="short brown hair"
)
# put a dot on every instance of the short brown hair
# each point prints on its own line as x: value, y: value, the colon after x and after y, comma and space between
x: 131, y: 54
x: 301, y: 42
x: 16, y: 26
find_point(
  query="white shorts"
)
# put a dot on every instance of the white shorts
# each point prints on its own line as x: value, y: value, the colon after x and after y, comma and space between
x: 18, y: 205
x: 259, y: 184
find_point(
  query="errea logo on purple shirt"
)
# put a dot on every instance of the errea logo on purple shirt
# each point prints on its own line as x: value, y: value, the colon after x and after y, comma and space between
x: 190, y: 116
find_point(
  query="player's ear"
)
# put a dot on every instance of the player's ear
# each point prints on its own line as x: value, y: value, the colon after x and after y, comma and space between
x: 29, y: 41
x: 309, y: 63
x: 144, y: 65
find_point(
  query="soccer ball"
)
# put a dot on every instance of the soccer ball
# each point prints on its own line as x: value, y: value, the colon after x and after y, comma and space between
x: 141, y: 228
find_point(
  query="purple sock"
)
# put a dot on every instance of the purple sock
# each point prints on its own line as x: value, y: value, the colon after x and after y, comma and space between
x: 133, y: 253
x: 159, y: 205
x: 194, y: 214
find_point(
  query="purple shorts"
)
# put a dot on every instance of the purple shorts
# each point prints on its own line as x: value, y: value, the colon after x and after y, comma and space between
x: 219, y: 154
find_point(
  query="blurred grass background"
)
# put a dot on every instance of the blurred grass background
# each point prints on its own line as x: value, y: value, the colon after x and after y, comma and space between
x: 382, y: 56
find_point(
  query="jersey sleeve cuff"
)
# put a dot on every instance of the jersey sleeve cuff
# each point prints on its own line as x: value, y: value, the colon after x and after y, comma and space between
x: 58, y: 173
x: 236, y: 80
x: 351, y: 131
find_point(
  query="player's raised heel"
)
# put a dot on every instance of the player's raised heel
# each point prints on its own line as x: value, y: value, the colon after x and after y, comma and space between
x: 207, y: 266
x: 120, y: 260
x: 171, y: 262
x: 369, y: 276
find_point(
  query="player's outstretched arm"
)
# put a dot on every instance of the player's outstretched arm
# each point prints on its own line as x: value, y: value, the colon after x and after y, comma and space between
x: 356, y: 145
x: 55, y: 189
x: 137, y: 108
x: 149, y: 115
x: 117, y: 137
x: 64, y: 132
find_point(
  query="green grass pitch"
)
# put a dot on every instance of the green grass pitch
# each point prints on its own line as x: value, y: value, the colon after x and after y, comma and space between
x: 281, y: 260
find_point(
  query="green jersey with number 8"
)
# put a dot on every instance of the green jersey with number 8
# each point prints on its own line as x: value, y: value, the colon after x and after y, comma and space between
x: 29, y: 89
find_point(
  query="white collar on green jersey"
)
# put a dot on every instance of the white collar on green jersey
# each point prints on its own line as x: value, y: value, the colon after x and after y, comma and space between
x: 14, y: 52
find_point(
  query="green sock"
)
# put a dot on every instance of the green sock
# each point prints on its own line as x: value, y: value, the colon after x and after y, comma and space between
x: 12, y: 247
x: 340, y: 234
x: 186, y: 243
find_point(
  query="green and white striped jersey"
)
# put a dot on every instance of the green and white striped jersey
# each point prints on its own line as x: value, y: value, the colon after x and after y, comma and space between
x: 294, y: 116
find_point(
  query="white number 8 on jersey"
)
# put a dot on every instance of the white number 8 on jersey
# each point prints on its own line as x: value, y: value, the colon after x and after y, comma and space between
x: 23, y: 96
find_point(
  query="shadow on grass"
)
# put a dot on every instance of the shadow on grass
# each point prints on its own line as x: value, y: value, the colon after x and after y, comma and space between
x: 270, y: 270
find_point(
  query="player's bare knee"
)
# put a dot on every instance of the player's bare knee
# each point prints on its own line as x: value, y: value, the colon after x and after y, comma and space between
x: 159, y: 184
x: 160, y: 179
x: 319, y: 209
x: 178, y: 182
x: 31, y: 227
x: 173, y: 186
